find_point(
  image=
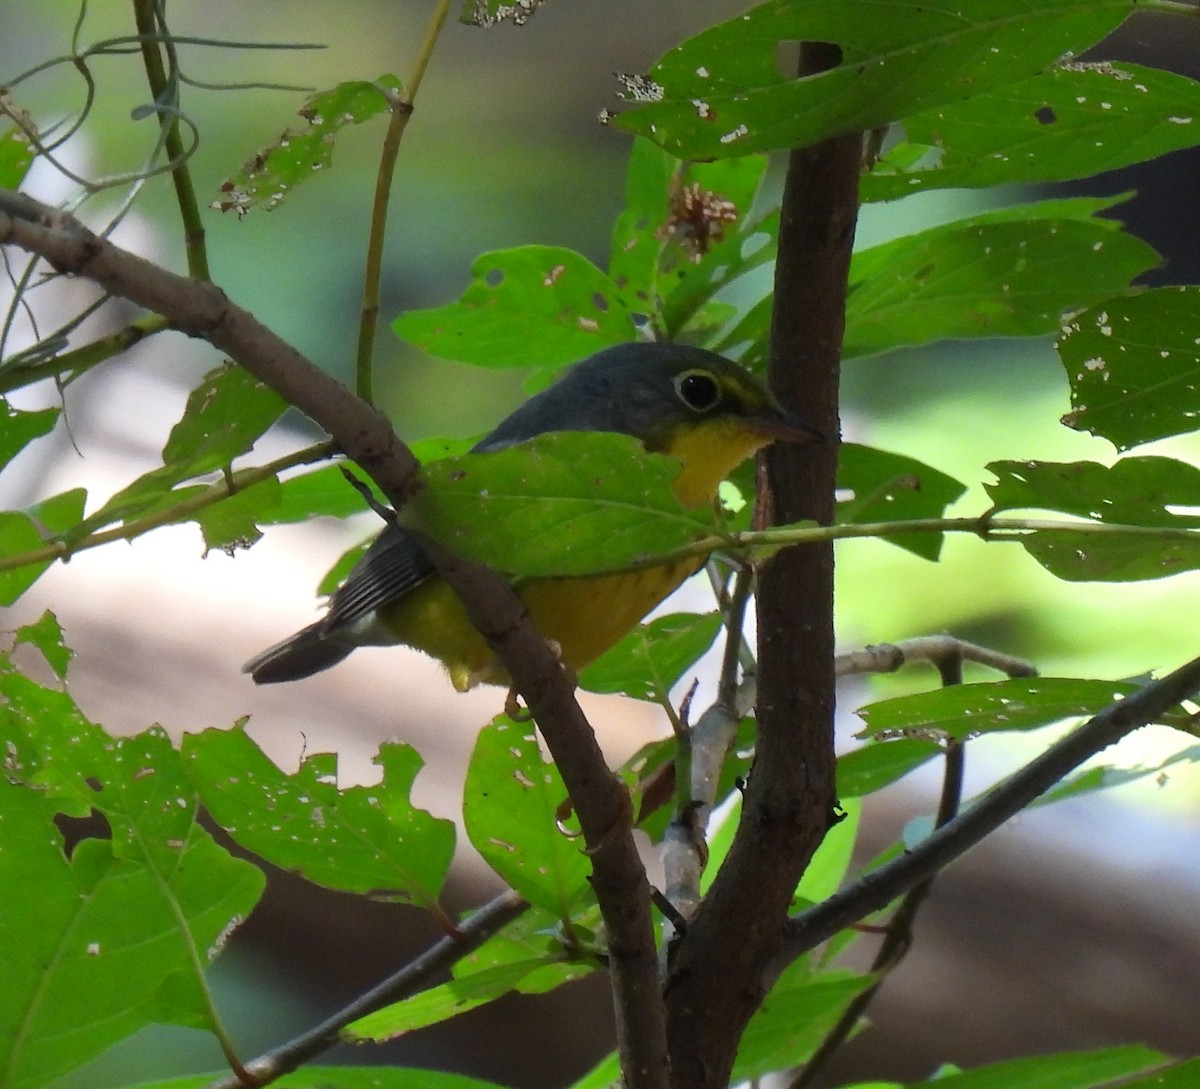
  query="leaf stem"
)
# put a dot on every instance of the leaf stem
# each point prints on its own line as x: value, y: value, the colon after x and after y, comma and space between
x: 401, y: 106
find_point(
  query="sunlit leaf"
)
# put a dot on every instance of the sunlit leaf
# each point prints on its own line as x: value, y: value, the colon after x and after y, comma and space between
x: 865, y: 770
x: 512, y: 804
x: 275, y: 172
x: 31, y: 530
x: 540, y: 305
x: 723, y: 93
x: 18, y: 428
x: 1134, y: 366
x: 1071, y: 121
x: 966, y: 709
x: 1013, y: 272
x: 884, y: 487
x: 592, y: 502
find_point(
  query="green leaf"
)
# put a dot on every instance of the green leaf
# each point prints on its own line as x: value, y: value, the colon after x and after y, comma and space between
x: 274, y: 173
x: 1007, y: 273
x: 19, y: 428
x: 1072, y: 121
x: 511, y: 805
x: 651, y: 659
x: 344, y: 1077
x: 1134, y: 366
x: 541, y: 936
x: 323, y: 491
x: 1141, y: 491
x: 541, y: 305
x: 224, y: 416
x: 440, y: 1003
x: 116, y: 936
x: 865, y: 770
x: 963, y: 710
x: 1122, y: 556
x: 591, y: 502
x: 885, y: 487
x: 1070, y: 1070
x: 366, y: 839
x: 46, y: 634
x: 1105, y: 777
x: 824, y: 874
x: 795, y: 1017
x: 232, y: 522
x: 30, y: 530
x: 16, y: 155
x: 722, y: 93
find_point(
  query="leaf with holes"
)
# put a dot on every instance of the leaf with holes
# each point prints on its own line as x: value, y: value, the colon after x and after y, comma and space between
x: 531, y: 305
x: 511, y: 806
x: 1134, y: 366
x: 722, y: 93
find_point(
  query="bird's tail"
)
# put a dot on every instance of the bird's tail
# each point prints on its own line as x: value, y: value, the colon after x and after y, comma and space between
x: 307, y: 652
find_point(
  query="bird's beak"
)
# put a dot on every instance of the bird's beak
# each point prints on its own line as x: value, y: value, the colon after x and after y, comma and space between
x: 783, y: 426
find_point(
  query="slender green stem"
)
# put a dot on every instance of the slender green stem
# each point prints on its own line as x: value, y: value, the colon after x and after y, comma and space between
x: 127, y: 531
x: 165, y: 92
x: 401, y: 105
x: 86, y: 356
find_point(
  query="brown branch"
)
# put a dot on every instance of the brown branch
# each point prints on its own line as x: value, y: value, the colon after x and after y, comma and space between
x: 364, y: 434
x: 719, y: 964
x: 875, y: 890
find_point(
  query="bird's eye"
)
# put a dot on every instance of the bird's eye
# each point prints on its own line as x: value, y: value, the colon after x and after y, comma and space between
x: 698, y: 390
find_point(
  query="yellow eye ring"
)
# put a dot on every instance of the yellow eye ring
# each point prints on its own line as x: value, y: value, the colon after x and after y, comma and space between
x: 698, y: 389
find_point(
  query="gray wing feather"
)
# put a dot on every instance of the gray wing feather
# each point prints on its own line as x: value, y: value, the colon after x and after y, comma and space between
x: 393, y: 566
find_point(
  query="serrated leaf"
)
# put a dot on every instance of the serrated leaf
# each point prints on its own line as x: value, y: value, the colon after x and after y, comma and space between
x: 966, y: 709
x: 542, y: 305
x: 1068, y: 1070
x: 1070, y: 122
x: 885, y: 487
x: 1134, y: 366
x: 592, y: 502
x: 18, y: 428
x: 651, y: 659
x: 275, y: 171
x: 511, y: 805
x: 359, y: 839
x: 722, y: 93
x: 1008, y: 273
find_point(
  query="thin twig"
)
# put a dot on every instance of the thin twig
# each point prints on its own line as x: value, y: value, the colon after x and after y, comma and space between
x: 875, y: 890
x: 415, y: 975
x: 401, y: 106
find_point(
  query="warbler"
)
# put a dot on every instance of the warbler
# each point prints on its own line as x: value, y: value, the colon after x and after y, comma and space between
x: 687, y: 403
